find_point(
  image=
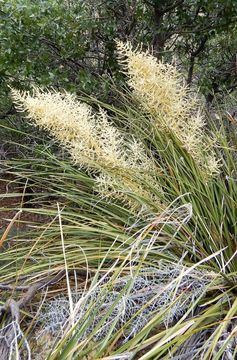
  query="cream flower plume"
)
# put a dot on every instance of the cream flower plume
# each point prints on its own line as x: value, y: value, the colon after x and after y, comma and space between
x: 94, y: 143
x: 160, y: 89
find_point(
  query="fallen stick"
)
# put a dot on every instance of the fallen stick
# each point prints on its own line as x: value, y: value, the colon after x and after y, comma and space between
x: 9, y: 226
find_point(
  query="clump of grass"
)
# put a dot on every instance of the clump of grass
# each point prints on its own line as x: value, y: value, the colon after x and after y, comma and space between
x: 164, y: 161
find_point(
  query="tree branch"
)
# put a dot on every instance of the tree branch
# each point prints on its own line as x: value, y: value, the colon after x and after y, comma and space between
x: 172, y: 7
x: 69, y: 61
x: 194, y: 54
x: 167, y: 9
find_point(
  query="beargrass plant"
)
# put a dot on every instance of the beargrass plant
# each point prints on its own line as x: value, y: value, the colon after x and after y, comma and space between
x: 144, y: 205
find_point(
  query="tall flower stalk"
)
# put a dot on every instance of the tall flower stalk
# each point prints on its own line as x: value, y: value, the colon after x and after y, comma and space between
x: 161, y: 91
x: 119, y: 163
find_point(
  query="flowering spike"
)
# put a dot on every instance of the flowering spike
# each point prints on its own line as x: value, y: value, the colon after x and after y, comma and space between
x: 162, y: 92
x: 92, y: 140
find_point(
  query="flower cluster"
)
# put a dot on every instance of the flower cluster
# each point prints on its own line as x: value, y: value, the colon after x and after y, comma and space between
x: 160, y: 89
x: 120, y: 163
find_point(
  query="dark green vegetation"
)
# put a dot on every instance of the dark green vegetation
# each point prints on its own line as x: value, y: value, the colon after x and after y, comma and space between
x: 70, y: 44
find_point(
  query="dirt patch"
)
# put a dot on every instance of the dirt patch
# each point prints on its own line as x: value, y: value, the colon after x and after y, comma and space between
x: 12, y: 199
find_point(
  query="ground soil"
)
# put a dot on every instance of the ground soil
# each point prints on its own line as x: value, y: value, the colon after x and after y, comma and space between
x: 12, y: 199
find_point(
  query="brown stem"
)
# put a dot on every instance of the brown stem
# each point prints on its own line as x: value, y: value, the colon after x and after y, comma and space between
x: 194, y: 54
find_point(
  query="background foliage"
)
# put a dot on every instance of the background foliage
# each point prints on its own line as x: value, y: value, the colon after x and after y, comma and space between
x: 71, y: 44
